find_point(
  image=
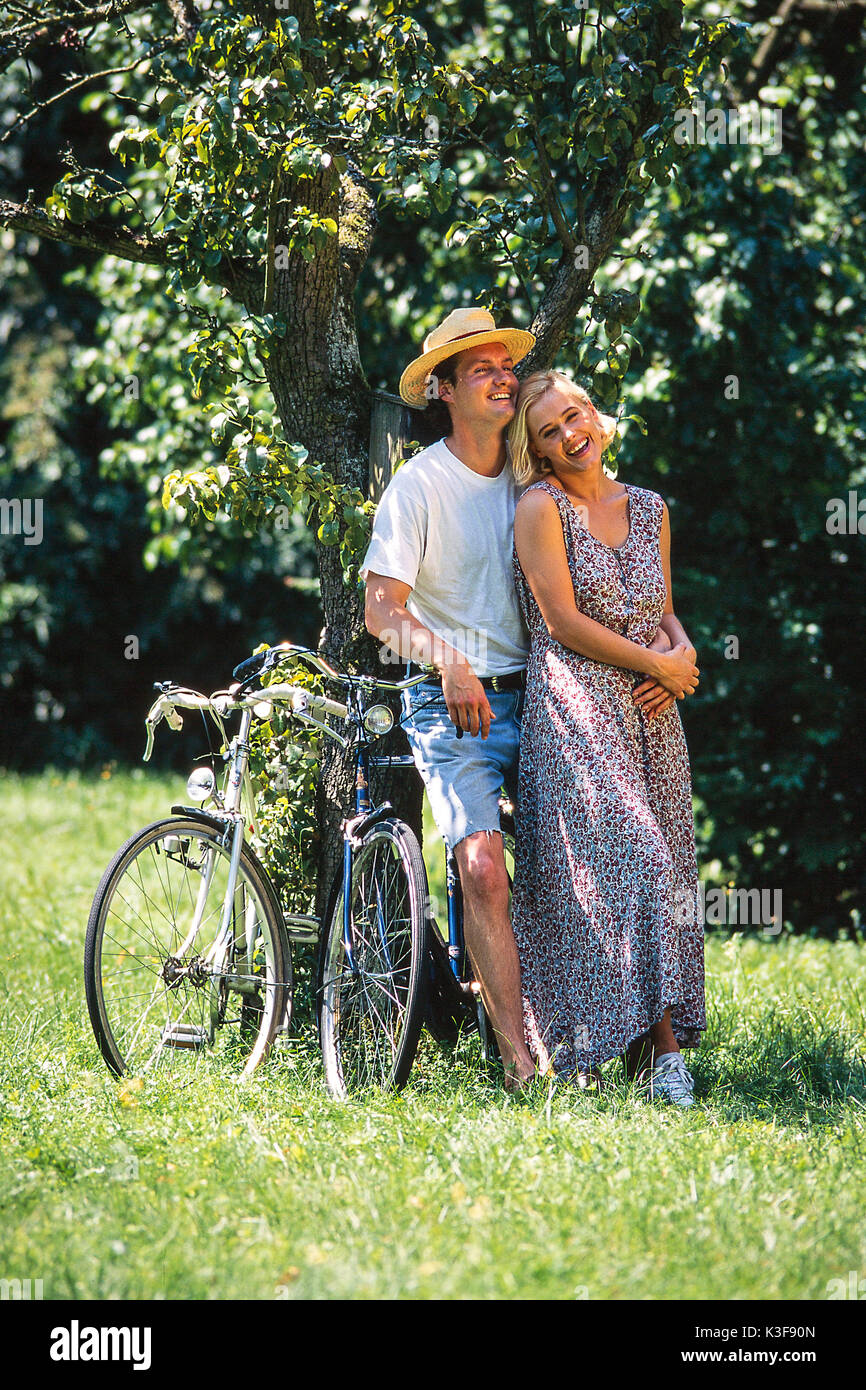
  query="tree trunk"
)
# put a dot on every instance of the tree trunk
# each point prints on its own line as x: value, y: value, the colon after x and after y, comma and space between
x: 325, y: 403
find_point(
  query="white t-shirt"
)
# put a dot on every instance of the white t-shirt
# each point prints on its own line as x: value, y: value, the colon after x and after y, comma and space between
x: 448, y: 532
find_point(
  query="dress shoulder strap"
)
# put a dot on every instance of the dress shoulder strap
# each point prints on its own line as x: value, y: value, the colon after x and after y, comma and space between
x: 550, y: 488
x: 647, y: 510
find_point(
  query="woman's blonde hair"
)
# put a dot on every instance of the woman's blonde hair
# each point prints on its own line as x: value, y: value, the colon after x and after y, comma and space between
x: 527, y: 468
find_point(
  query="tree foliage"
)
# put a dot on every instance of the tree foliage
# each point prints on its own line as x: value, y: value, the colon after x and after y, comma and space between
x: 283, y: 204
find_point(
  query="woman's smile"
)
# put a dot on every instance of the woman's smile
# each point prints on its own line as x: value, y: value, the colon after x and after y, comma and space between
x: 576, y: 450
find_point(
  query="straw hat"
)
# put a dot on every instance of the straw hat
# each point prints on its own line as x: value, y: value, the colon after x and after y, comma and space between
x: 462, y: 329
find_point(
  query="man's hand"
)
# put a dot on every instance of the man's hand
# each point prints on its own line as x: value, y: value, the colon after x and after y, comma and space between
x: 652, y: 698
x: 677, y: 672
x: 464, y: 695
x: 649, y: 695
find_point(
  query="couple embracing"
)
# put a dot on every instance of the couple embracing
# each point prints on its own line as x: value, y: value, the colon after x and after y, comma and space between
x: 537, y: 590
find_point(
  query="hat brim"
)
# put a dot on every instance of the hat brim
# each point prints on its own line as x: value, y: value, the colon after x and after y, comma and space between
x: 414, y: 379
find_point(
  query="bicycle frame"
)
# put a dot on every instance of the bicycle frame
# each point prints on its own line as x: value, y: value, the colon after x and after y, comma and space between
x: 238, y: 784
x: 362, y: 811
x: 456, y: 941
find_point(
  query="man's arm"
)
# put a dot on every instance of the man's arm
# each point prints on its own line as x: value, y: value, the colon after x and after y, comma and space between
x: 653, y: 698
x: 387, y: 617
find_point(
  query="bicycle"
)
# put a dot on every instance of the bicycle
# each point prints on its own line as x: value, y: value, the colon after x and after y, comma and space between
x: 187, y: 948
x: 186, y: 921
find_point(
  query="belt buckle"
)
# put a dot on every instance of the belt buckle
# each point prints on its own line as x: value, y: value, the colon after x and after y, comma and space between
x: 494, y: 680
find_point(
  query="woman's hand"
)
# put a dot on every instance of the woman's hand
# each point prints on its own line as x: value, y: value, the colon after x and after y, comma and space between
x: 677, y: 672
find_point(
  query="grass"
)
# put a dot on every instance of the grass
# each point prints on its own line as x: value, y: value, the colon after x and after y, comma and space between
x: 269, y: 1189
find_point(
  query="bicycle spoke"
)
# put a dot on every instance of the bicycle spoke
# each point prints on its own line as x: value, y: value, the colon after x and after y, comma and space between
x: 370, y: 1015
x: 155, y: 999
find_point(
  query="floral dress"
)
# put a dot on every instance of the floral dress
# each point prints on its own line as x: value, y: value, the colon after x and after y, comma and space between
x: 605, y: 903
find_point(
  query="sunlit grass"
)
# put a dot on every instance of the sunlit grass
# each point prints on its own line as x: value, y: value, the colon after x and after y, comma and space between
x: 208, y: 1187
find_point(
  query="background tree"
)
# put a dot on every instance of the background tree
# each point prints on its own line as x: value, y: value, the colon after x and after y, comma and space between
x: 752, y: 389
x: 276, y: 136
x: 85, y: 626
x: 262, y: 182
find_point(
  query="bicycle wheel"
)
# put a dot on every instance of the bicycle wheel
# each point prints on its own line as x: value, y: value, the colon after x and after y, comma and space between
x: 164, y: 982
x: 371, y: 1015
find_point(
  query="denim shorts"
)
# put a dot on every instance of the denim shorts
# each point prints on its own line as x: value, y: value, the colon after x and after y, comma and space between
x: 463, y: 776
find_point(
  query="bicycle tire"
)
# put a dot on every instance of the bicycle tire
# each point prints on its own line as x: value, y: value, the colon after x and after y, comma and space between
x: 153, y: 995
x: 370, y: 1019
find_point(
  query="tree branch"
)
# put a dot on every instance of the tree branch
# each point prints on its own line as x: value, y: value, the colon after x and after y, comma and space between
x: 113, y: 241
x: 548, y: 184
x: 358, y: 221
x: 186, y: 18
x: 600, y: 221
x: 763, y: 59
x: 73, y: 86
x: 21, y: 39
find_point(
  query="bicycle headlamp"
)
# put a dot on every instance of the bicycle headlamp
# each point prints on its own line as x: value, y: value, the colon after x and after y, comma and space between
x: 378, y: 719
x: 200, y: 784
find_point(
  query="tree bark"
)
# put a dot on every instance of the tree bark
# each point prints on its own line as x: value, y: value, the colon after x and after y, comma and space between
x: 324, y: 402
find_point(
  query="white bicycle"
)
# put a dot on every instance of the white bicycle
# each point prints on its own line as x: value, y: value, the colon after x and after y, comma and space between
x: 187, y: 947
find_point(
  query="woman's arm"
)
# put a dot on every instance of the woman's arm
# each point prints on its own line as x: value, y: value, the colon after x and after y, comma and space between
x: 540, y: 547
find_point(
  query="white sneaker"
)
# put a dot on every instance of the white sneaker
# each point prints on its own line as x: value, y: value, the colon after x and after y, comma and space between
x: 670, y: 1079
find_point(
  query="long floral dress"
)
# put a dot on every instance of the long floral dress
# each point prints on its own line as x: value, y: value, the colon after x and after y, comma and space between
x: 605, y: 903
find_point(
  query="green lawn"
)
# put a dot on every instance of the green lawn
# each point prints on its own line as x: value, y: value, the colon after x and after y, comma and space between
x: 269, y: 1189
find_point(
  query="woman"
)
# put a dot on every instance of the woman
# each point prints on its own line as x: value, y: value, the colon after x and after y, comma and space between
x: 605, y: 893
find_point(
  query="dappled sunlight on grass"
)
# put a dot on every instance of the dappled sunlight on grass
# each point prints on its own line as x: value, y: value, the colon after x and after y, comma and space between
x: 203, y: 1185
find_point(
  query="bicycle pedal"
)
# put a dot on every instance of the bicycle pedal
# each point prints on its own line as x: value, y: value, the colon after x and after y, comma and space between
x: 184, y: 1035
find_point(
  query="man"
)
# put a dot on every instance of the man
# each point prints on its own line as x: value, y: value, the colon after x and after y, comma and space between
x: 439, y: 591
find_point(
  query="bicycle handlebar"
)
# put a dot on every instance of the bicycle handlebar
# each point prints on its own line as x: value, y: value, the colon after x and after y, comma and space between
x: 223, y: 702
x: 306, y: 704
x: 272, y: 656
